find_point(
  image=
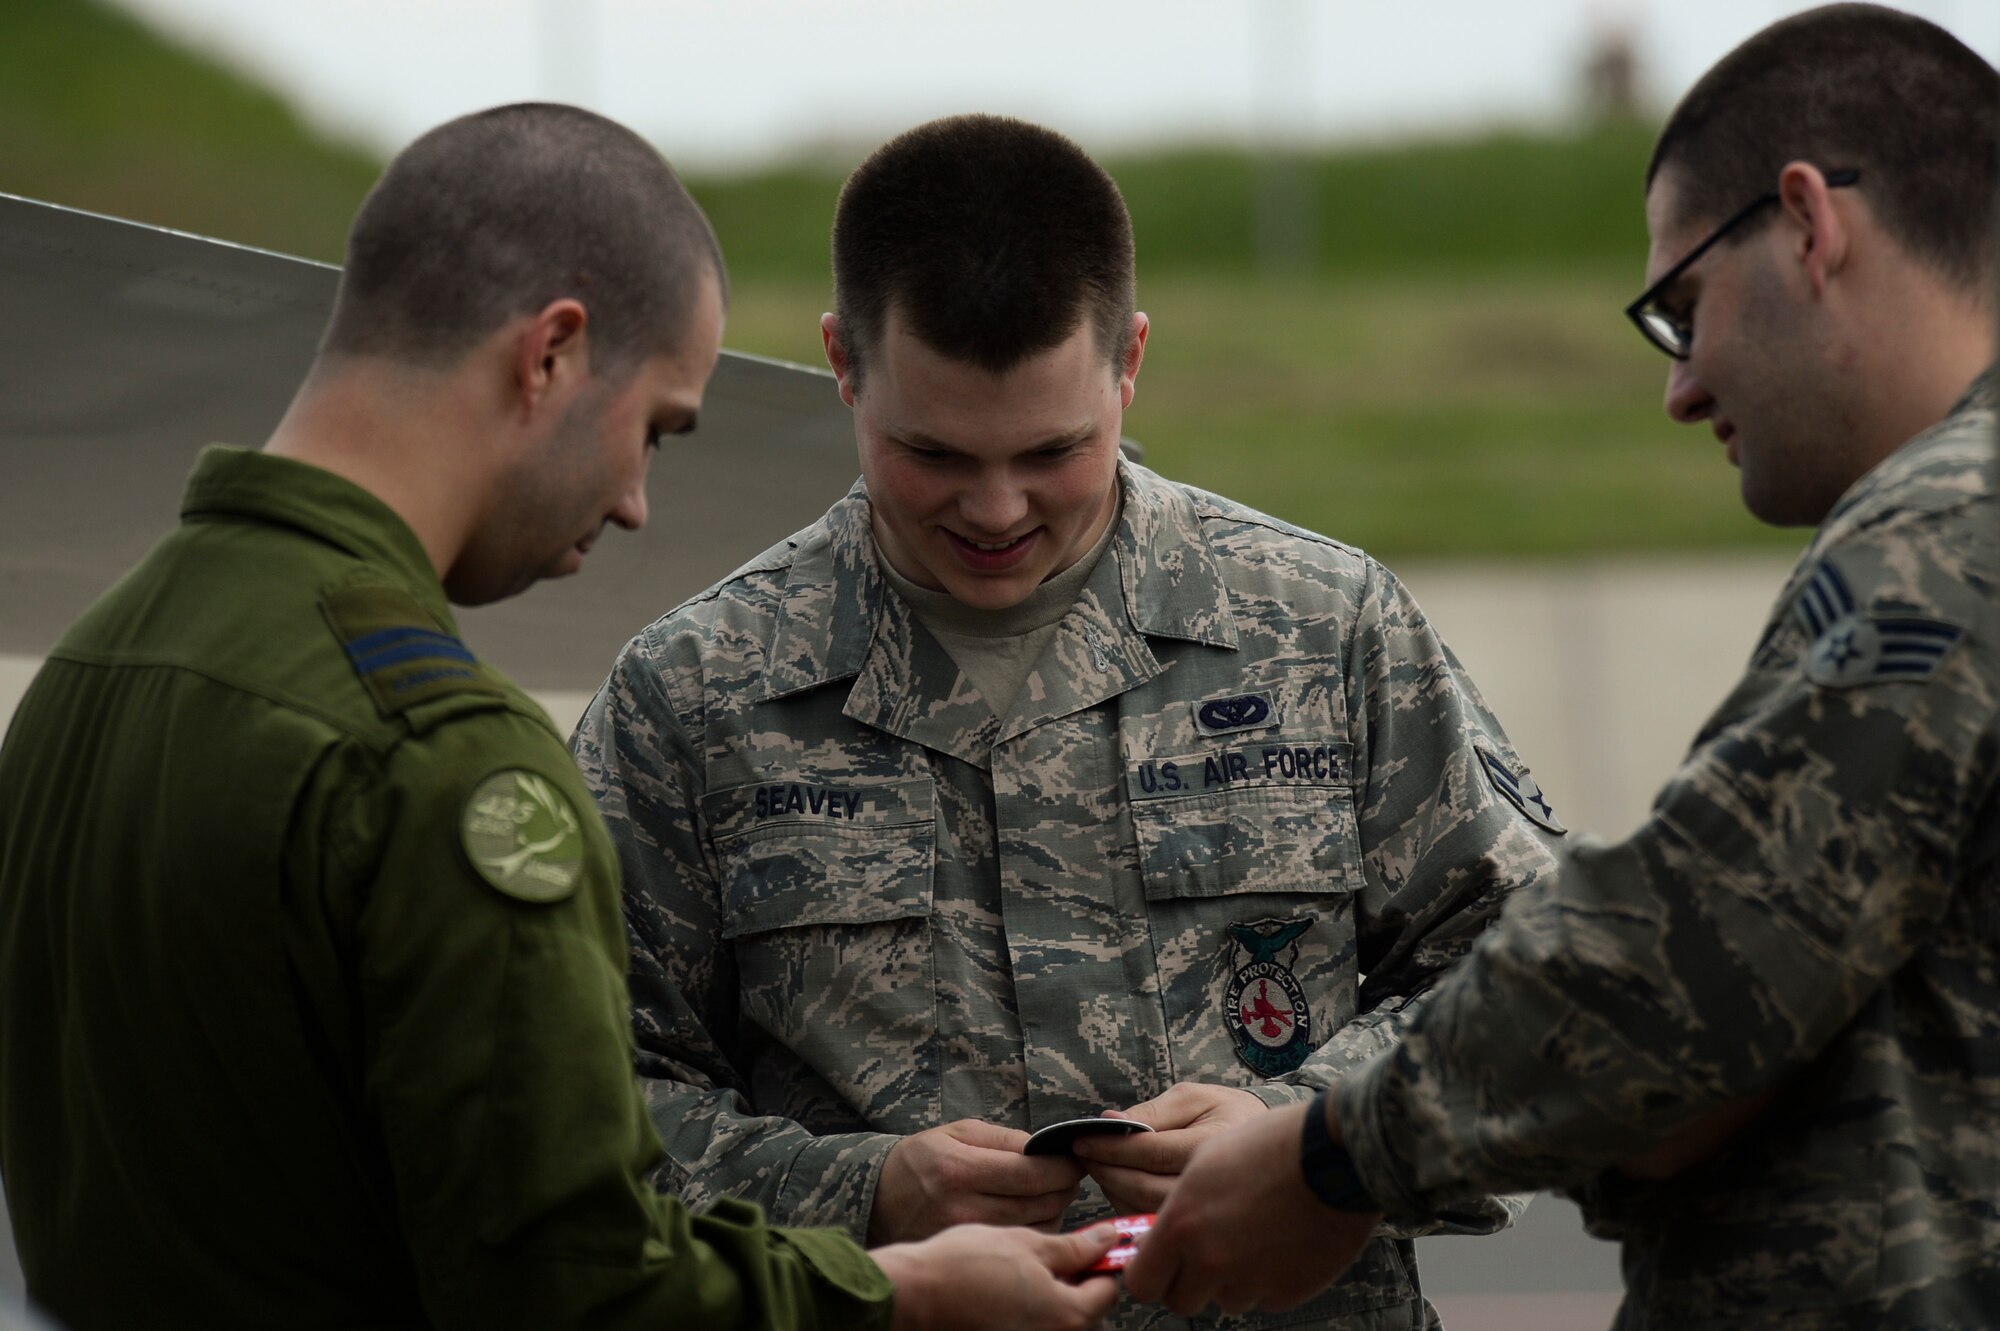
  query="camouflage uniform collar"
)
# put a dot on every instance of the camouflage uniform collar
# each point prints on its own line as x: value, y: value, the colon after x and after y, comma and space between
x: 1932, y: 469
x: 839, y: 619
x: 1173, y: 582
x: 243, y: 483
x: 835, y: 592
x: 834, y: 596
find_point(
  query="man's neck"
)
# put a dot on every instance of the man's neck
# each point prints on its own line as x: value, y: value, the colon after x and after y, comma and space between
x: 398, y: 436
x: 1923, y: 345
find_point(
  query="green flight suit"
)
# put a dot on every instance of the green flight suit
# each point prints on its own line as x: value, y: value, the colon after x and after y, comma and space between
x: 312, y: 998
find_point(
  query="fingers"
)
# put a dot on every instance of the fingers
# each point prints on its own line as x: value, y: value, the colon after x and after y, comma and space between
x: 1133, y: 1191
x: 991, y: 1136
x: 1045, y: 1209
x: 1092, y: 1300
x: 1154, y: 1152
x: 987, y: 1160
x: 1069, y: 1255
x: 1152, y: 1272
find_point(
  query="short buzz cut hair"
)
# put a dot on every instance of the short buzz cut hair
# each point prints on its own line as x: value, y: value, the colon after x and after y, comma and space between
x: 498, y: 213
x: 1850, y: 86
x: 995, y: 239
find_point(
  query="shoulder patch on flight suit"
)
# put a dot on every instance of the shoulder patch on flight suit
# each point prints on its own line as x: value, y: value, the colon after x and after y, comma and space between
x: 522, y: 835
x: 398, y: 651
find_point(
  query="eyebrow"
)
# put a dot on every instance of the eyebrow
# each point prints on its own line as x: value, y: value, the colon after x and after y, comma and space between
x: 919, y: 439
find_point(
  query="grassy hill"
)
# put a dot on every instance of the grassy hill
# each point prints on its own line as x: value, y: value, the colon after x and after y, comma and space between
x: 1502, y: 203
x: 1438, y: 367
x: 98, y: 112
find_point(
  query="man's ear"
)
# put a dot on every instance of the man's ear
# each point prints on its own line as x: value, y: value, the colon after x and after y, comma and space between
x: 1820, y: 235
x: 836, y: 356
x: 552, y: 356
x: 1128, y: 364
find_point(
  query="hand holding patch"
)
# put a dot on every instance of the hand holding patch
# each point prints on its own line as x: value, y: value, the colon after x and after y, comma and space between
x: 1138, y: 1172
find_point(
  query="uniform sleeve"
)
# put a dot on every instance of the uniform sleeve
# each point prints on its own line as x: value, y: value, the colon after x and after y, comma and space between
x: 1442, y: 848
x: 647, y: 778
x: 1804, y: 851
x: 496, y: 1063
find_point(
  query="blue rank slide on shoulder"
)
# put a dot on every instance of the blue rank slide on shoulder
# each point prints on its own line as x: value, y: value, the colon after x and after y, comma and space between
x: 1851, y: 648
x: 398, y: 651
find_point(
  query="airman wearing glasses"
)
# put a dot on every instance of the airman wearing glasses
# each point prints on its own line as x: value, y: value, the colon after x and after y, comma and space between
x: 1758, y: 1039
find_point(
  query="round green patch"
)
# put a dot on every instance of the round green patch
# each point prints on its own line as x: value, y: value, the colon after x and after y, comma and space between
x: 522, y: 834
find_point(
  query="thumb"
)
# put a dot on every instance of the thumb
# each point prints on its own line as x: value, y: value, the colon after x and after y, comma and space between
x: 990, y: 1136
x: 1069, y: 1255
x: 1162, y: 1111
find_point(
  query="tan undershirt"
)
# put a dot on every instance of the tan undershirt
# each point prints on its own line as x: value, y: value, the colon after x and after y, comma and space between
x: 997, y: 648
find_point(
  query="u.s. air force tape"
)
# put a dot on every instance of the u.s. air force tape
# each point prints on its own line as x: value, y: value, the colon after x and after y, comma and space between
x: 523, y: 837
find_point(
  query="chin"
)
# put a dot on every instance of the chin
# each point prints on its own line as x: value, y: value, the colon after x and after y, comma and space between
x: 991, y: 595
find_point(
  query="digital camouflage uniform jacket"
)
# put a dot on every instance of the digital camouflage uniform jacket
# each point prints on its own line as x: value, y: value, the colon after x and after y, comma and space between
x: 1239, y: 815
x: 1811, y: 904
x: 312, y: 1010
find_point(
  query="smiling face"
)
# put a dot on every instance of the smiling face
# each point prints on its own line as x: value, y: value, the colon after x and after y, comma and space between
x: 591, y: 469
x: 1761, y: 369
x: 984, y: 485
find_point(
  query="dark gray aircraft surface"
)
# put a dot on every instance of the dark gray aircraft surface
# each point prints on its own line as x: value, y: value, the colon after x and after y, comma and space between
x: 126, y: 348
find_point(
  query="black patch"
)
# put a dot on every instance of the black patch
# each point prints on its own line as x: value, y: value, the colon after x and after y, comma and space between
x: 1245, y: 711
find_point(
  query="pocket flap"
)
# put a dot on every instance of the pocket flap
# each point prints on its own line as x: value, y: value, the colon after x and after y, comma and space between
x: 810, y: 851
x: 1261, y: 817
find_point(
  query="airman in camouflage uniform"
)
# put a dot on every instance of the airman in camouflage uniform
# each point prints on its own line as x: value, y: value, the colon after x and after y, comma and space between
x: 896, y: 900
x: 863, y: 905
x: 1757, y: 1038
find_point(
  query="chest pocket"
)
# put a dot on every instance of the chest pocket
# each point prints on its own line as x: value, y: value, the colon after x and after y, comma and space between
x: 826, y: 895
x: 1250, y: 859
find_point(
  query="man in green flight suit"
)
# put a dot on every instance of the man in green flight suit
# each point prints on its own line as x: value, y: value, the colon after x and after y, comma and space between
x: 312, y: 1005
x: 1756, y: 1039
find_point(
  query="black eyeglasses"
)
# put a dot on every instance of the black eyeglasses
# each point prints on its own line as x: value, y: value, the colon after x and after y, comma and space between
x: 1670, y: 332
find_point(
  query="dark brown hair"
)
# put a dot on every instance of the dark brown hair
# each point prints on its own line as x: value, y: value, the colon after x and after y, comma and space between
x: 500, y: 212
x: 1850, y: 86
x: 995, y: 239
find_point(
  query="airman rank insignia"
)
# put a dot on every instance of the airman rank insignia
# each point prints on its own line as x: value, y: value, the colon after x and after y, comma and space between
x: 1518, y: 788
x: 1850, y: 648
x: 1264, y: 1005
x: 522, y: 835
x: 1869, y: 649
x: 1244, y: 711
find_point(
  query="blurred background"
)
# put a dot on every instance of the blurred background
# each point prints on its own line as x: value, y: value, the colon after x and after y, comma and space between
x: 1384, y: 249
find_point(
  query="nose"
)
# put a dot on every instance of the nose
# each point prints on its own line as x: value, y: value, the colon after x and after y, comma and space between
x: 993, y: 505
x: 630, y: 510
x: 1687, y: 401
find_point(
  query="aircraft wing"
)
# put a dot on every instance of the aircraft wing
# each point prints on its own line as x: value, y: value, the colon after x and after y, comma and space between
x: 125, y: 348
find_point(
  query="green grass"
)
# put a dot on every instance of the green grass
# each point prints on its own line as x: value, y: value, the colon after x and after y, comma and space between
x: 1435, y: 366
x: 100, y: 113
x: 1435, y: 417
x: 1499, y: 203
